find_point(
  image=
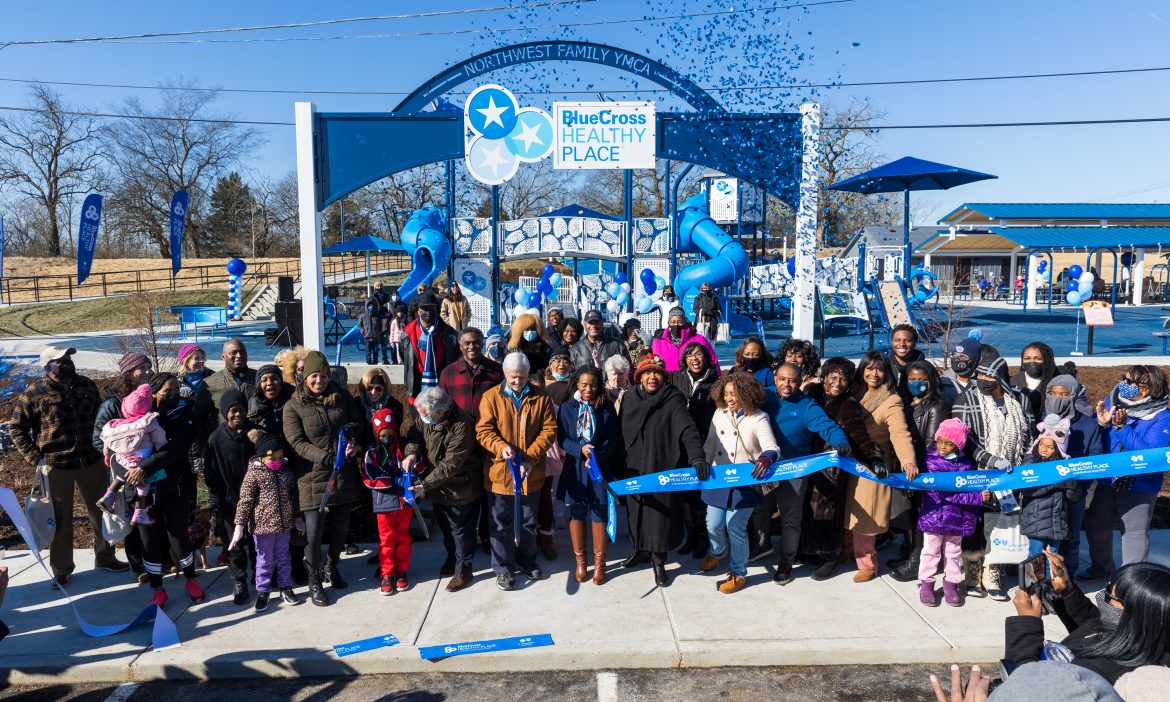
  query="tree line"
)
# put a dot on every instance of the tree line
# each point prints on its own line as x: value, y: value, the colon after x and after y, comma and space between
x: 55, y: 153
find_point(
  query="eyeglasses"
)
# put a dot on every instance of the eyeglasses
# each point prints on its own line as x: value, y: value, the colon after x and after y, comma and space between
x: 1129, y: 380
x: 1109, y: 596
x: 375, y: 388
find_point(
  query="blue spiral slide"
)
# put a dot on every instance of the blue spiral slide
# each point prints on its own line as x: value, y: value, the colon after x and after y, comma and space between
x: 424, y: 237
x: 727, y: 260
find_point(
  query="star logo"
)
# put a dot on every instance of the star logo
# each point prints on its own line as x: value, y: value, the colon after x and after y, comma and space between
x: 491, y: 113
x: 492, y: 159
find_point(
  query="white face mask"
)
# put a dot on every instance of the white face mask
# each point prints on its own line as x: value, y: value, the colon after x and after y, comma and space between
x: 530, y: 335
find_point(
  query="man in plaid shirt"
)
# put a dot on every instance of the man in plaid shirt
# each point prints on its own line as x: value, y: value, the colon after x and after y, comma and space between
x: 51, y: 427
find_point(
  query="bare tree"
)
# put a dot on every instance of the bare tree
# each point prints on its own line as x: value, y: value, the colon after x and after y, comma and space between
x: 50, y: 155
x: 147, y: 335
x: 179, y: 146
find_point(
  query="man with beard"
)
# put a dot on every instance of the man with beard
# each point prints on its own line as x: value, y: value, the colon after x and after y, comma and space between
x: 903, y: 348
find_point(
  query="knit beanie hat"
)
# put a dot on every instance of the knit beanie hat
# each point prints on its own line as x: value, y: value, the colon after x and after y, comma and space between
x: 137, y: 403
x: 160, y: 379
x: 1052, y: 681
x: 971, y: 347
x: 232, y: 397
x: 649, y: 362
x: 954, y: 431
x: 315, y: 362
x: 676, y: 312
x: 1055, y: 428
x: 131, y: 360
x: 1145, y: 684
x: 269, y: 368
x: 382, y: 419
x: 186, y: 350
x: 268, y: 443
x: 561, y: 352
x: 991, y: 364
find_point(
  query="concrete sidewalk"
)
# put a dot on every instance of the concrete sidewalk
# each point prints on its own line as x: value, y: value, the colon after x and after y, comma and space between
x: 626, y: 623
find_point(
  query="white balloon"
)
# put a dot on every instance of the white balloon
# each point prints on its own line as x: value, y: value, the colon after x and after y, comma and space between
x: 1086, y: 277
x: 625, y: 287
x: 612, y: 306
x: 519, y: 310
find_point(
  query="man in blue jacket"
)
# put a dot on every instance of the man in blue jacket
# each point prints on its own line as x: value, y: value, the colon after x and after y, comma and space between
x: 796, y: 420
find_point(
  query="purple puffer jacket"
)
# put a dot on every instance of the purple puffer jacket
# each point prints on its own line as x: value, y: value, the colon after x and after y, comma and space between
x: 948, y: 513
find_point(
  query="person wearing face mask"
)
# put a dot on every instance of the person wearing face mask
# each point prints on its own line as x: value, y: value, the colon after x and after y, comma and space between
x: 753, y: 357
x: 428, y: 346
x: 1136, y: 415
x: 442, y: 447
x: 173, y: 493
x: 456, y: 310
x: 1037, y: 368
x: 229, y: 451
x: 557, y: 377
x: 388, y: 478
x: 695, y: 380
x: 678, y: 334
x: 636, y: 344
x: 903, y: 348
x: 963, y: 359
x: 51, y: 427
x: 495, y: 345
x: 919, y: 387
x: 266, y: 511
x: 1125, y: 630
x: 594, y: 347
x: 318, y: 411
x: 528, y: 337
x: 707, y: 311
x: 372, y: 325
x: 997, y: 416
x: 1085, y: 438
x: 587, y: 427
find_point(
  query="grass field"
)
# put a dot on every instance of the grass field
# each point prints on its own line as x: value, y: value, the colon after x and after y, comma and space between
x: 94, y: 315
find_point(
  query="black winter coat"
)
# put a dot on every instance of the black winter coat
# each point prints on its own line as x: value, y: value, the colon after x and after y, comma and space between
x: 175, y: 457
x: 698, y: 396
x: 1024, y: 636
x: 268, y: 416
x: 1044, y: 510
x: 925, y: 420
x: 659, y: 435
x: 225, y: 463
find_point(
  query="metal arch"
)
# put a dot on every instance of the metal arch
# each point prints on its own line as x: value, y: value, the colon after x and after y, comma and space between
x: 558, y: 50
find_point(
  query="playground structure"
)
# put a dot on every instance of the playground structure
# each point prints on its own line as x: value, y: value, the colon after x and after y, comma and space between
x: 776, y: 153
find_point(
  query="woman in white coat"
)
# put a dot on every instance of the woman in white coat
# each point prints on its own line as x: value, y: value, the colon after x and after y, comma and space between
x: 740, y: 433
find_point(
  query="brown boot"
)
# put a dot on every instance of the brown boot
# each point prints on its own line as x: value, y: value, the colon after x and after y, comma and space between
x: 599, y: 544
x: 577, y: 534
x: 544, y: 543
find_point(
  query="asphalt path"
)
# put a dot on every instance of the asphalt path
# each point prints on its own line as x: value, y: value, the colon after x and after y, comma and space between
x: 826, y: 683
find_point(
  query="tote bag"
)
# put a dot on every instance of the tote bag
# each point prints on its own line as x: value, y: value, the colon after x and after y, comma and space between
x: 1005, y: 543
x: 38, y: 509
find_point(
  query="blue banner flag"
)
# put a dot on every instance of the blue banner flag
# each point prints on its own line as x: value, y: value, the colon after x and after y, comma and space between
x: 178, y: 225
x: 430, y: 653
x: 353, y: 647
x: 87, y: 233
x: 1106, y: 466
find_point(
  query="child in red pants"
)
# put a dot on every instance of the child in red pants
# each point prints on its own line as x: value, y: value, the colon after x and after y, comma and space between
x: 382, y: 473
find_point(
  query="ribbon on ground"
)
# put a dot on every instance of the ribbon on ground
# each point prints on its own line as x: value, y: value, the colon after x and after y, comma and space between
x: 1111, y: 465
x: 430, y: 653
x: 348, y: 649
x: 165, y: 634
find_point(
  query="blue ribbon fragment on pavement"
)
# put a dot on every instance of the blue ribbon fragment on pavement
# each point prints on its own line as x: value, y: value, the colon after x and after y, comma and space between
x: 430, y: 653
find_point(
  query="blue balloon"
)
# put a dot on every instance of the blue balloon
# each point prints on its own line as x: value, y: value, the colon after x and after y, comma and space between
x: 1042, y: 266
x: 555, y: 279
x: 660, y: 281
x: 521, y: 296
x: 543, y: 285
x: 1074, y: 298
x: 1074, y: 271
x: 791, y: 267
x: 534, y: 299
x: 622, y: 298
x: 1127, y: 259
x: 613, y: 289
x: 548, y: 270
x: 236, y: 267
x: 553, y: 294
x: 1086, y: 296
x: 1071, y: 285
x: 650, y: 286
x: 643, y: 305
x: 646, y: 276
x: 620, y: 278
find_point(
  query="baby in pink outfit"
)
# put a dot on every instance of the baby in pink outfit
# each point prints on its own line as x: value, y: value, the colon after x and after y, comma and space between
x: 131, y: 439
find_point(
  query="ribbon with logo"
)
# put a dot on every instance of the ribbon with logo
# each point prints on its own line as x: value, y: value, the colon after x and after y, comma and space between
x: 518, y: 477
x: 1112, y: 465
x: 430, y: 653
x: 353, y: 647
x: 164, y: 636
x: 610, y: 504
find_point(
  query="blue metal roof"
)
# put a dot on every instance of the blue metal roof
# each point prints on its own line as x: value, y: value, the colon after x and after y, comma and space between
x: 1057, y: 210
x: 1085, y: 237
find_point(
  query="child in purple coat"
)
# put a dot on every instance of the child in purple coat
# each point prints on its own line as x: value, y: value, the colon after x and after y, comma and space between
x: 946, y: 517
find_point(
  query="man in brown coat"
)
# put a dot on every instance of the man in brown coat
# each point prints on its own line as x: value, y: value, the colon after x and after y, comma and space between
x: 516, y: 422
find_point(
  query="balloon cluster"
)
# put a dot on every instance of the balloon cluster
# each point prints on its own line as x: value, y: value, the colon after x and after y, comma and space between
x: 1079, y: 286
x: 652, y: 285
x: 547, y: 288
x: 1042, y: 273
x: 235, y: 269
x: 616, y: 294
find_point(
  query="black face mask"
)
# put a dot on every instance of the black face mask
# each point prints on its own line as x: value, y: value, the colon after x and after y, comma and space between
x: 168, y: 403
x: 66, y: 369
x: 987, y: 387
x: 425, y: 316
x: 753, y: 364
x: 962, y: 368
x: 1033, y: 369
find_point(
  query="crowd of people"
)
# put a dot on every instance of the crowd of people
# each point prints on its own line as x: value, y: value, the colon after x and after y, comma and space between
x: 498, y: 428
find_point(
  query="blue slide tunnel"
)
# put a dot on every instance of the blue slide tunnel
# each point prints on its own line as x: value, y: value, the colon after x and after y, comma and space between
x: 424, y: 237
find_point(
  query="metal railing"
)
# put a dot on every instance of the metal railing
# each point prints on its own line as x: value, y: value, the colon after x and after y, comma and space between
x: 50, y: 288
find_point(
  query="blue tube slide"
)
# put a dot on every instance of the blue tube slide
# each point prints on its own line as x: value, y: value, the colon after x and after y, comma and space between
x: 424, y: 238
x: 698, y: 233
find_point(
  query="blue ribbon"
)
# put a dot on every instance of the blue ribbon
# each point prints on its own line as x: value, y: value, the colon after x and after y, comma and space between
x: 594, y: 470
x: 1032, y: 475
x: 610, y: 517
x: 430, y: 653
x: 404, y: 483
x: 348, y: 649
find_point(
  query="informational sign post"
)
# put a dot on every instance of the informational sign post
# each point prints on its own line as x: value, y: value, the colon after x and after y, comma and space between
x: 603, y: 135
x: 724, y: 200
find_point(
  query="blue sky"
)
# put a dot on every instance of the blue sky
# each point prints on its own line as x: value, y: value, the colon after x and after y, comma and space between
x: 861, y: 40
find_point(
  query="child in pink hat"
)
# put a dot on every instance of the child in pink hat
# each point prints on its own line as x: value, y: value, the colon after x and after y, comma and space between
x: 132, y: 438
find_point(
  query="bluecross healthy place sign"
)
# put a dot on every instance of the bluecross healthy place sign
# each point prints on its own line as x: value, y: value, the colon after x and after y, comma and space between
x: 603, y: 135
